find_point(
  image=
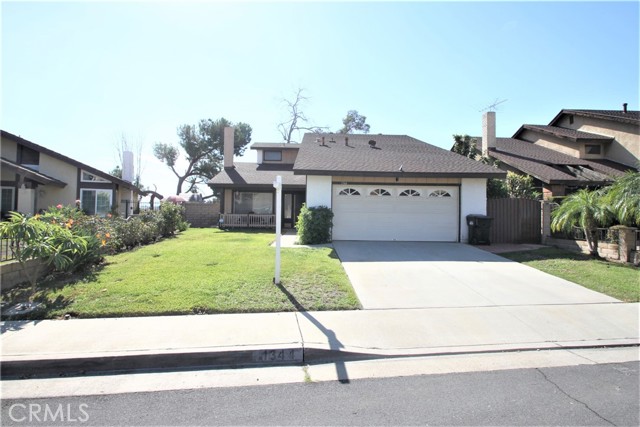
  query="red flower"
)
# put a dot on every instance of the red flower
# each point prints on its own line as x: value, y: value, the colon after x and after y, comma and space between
x: 59, y: 206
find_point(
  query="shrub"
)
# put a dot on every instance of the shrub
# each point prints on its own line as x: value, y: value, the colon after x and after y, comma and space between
x: 52, y: 244
x: 314, y: 225
x: 171, y: 218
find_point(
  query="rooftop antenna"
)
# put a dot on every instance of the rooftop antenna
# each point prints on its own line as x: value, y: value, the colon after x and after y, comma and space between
x: 492, y: 107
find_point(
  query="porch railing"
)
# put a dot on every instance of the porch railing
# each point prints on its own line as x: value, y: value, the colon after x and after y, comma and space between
x: 247, y: 221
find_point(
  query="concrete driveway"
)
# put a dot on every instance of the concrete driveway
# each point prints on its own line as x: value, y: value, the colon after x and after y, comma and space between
x: 389, y: 275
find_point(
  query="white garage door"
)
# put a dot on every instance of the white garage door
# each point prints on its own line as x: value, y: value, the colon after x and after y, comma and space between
x: 404, y: 213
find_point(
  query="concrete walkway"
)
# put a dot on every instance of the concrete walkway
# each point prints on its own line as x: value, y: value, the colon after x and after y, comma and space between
x: 51, y: 348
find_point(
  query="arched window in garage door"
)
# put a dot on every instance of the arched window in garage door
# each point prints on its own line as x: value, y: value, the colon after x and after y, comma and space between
x: 349, y: 192
x: 379, y: 192
x: 439, y: 193
x: 410, y: 193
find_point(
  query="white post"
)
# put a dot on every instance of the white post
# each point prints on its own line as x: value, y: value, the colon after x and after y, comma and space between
x: 277, y: 184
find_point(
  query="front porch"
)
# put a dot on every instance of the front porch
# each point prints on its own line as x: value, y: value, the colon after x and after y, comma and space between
x: 246, y: 221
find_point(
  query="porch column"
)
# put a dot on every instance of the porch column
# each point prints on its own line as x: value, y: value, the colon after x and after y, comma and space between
x: 626, y: 242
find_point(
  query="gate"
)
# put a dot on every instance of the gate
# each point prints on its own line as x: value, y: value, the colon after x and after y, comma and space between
x: 515, y: 220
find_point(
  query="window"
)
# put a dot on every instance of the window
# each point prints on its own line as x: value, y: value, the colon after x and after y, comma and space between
x: 6, y: 204
x: 245, y: 202
x: 29, y: 158
x: 273, y: 156
x: 439, y: 193
x: 89, y: 177
x: 410, y: 193
x: 349, y: 192
x: 593, y: 149
x: 96, y: 202
x: 379, y: 192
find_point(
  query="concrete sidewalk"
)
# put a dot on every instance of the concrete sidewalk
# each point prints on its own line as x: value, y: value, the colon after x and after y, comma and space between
x: 52, y: 347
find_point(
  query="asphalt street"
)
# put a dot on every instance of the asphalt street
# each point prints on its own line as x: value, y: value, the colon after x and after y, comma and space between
x: 605, y: 394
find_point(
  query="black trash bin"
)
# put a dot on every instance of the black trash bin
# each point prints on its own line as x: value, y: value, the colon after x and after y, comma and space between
x: 479, y: 229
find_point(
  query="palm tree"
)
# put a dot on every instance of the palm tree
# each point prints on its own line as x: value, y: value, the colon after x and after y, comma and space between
x: 585, y: 209
x: 623, y: 198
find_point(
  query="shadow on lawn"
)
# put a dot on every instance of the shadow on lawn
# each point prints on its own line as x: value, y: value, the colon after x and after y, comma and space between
x: 334, y: 343
x: 51, y: 283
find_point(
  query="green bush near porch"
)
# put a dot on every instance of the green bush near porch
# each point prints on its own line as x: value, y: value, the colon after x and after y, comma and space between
x: 314, y: 225
x: 200, y: 271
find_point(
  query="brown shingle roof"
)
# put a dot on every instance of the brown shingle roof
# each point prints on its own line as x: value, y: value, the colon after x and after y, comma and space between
x: 31, y: 174
x: 550, y: 166
x: 274, y: 145
x: 253, y: 174
x: 390, y: 154
x: 631, y: 116
x: 572, y: 134
x: 69, y: 160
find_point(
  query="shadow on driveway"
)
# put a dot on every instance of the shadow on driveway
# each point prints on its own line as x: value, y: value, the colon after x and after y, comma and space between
x: 361, y: 251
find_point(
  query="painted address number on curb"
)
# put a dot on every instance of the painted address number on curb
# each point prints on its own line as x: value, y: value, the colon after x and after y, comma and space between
x: 289, y: 355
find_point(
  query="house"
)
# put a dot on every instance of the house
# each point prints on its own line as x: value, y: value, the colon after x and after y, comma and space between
x: 35, y: 178
x: 577, y: 149
x: 379, y: 187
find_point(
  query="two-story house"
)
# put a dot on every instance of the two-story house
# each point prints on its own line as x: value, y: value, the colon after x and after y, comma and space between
x: 379, y: 187
x: 246, y: 189
x: 35, y: 178
x: 577, y: 149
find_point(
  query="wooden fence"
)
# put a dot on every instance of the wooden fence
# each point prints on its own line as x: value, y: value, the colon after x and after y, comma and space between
x: 515, y: 220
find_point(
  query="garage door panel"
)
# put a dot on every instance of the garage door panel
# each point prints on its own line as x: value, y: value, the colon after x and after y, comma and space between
x: 394, y: 217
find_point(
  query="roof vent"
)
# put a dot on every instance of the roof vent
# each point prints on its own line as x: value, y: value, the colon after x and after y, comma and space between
x: 624, y: 107
x: 333, y: 141
x: 346, y: 141
x: 372, y: 143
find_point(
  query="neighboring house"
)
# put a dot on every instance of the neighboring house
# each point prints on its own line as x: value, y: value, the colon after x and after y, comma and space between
x: 35, y: 178
x: 379, y: 187
x: 577, y: 149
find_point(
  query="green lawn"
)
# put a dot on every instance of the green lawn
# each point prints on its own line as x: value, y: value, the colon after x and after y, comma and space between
x: 616, y: 280
x: 201, y: 271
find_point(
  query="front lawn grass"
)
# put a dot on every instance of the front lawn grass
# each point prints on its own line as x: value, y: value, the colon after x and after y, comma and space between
x: 200, y: 271
x: 616, y: 280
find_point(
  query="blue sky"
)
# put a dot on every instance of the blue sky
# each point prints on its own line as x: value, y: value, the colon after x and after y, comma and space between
x: 75, y: 76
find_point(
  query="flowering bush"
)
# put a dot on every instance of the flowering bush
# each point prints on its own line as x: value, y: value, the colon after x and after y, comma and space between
x: 102, y: 236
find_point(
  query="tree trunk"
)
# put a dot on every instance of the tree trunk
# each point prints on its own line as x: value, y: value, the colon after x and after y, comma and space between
x: 591, y: 234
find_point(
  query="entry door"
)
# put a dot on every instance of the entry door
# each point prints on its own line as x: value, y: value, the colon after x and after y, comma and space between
x: 291, y: 205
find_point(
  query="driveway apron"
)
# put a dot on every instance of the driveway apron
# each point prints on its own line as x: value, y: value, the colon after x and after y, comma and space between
x: 388, y: 275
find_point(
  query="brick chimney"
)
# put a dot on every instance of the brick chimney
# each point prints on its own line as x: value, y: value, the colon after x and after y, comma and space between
x: 488, y: 131
x: 227, y: 154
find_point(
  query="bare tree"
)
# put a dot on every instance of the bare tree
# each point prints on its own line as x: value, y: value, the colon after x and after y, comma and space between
x: 297, y: 119
x: 124, y: 144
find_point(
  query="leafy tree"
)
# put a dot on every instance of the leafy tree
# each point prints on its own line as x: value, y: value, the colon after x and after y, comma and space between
x: 496, y: 189
x: 354, y: 122
x: 117, y: 172
x: 520, y: 186
x: 623, y: 197
x: 203, y: 145
x: 297, y: 118
x: 585, y: 209
x: 465, y: 146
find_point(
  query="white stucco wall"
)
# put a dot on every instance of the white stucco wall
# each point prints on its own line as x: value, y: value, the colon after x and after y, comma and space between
x: 50, y: 195
x: 473, y: 200
x: 318, y: 191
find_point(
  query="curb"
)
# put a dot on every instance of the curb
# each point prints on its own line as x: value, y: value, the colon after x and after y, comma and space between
x: 22, y: 368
